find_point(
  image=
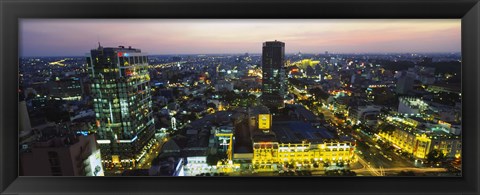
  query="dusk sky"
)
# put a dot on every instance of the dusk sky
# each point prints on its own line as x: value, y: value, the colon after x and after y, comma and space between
x: 75, y: 37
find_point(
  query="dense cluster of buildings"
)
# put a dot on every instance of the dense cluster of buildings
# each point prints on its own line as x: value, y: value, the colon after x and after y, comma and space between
x: 419, y: 129
x: 125, y: 112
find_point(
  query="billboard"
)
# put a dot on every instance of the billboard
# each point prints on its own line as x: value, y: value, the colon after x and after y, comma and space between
x: 95, y: 163
x: 264, y: 121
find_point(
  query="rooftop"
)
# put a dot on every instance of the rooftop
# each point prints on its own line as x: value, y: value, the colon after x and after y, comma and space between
x: 298, y: 131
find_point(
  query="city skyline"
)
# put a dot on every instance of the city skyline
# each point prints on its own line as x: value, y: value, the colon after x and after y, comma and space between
x: 295, y: 115
x: 72, y: 37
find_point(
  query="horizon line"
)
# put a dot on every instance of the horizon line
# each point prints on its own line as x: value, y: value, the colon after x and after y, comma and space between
x: 290, y: 53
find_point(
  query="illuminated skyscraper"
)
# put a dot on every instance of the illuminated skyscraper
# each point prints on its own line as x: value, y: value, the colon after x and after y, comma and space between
x: 122, y: 103
x: 273, y: 84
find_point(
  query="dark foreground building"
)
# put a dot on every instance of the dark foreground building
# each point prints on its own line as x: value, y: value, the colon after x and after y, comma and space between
x: 70, y: 155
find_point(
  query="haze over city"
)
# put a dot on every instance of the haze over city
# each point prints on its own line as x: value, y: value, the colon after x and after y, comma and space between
x: 75, y: 37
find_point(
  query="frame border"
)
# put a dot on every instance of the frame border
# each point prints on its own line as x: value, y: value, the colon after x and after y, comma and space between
x: 11, y: 11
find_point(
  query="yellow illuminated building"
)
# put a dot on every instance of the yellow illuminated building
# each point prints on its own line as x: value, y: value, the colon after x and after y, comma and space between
x: 286, y: 142
x: 269, y: 153
x: 419, y: 145
x: 265, y: 153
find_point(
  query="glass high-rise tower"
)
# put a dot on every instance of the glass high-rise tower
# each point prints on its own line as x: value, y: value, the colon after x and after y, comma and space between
x: 273, y: 78
x: 122, y: 103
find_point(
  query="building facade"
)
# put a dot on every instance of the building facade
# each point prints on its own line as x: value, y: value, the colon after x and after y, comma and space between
x: 273, y: 78
x: 421, y: 144
x: 70, y: 88
x: 409, y: 105
x: 404, y: 84
x: 122, y: 104
x: 366, y: 114
x: 62, y: 156
x: 270, y: 154
x: 296, y: 143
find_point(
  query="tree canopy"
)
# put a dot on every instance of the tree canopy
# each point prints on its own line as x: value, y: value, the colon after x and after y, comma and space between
x: 385, y: 127
x: 319, y: 93
x: 435, y: 156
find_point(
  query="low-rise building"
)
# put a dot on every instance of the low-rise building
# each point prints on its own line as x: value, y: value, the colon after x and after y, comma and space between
x: 420, y: 138
x: 223, y: 85
x: 298, y: 143
x: 69, y: 88
x: 409, y: 105
x: 364, y: 114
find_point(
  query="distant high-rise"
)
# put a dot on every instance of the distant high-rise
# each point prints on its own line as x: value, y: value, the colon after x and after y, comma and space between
x: 404, y: 84
x: 273, y: 82
x: 122, y: 103
x: 352, y: 79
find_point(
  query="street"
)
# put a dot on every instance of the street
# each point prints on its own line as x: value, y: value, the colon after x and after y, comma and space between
x: 372, y: 159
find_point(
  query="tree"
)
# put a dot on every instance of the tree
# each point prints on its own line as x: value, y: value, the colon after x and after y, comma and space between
x: 435, y: 156
x: 340, y: 173
x: 321, y: 116
x: 385, y: 127
x: 349, y: 173
x: 252, y: 100
x: 209, y: 92
x: 192, y: 116
x: 340, y: 115
x: 211, y: 105
x: 228, y: 96
x: 319, y: 93
x: 325, y: 164
x: 340, y: 164
x: 212, y: 159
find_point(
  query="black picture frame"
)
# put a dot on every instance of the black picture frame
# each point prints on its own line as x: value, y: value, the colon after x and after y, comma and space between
x: 11, y: 11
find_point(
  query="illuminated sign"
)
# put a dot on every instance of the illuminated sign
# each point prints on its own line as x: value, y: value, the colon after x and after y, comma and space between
x: 224, y: 142
x: 264, y: 121
x: 84, y: 133
x: 115, y: 159
x: 377, y: 86
x: 103, y: 141
x: 127, y: 141
x: 95, y: 161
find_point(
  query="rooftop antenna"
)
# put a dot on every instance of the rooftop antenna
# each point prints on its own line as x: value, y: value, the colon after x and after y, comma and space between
x: 98, y: 39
